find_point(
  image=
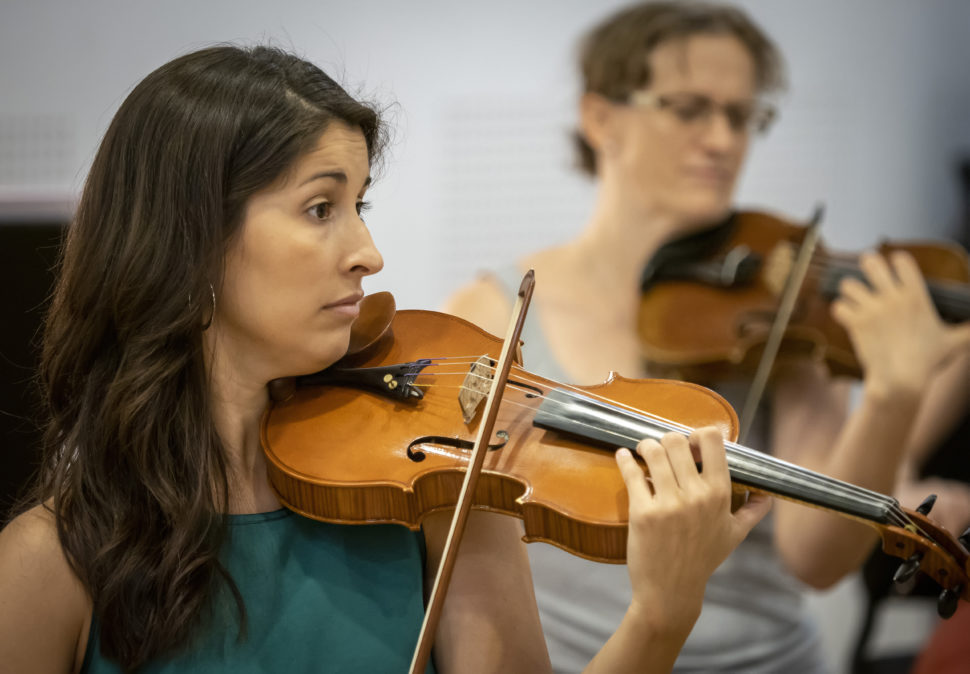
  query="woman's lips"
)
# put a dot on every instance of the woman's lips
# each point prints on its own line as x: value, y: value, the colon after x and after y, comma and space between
x: 349, y: 306
x: 715, y: 176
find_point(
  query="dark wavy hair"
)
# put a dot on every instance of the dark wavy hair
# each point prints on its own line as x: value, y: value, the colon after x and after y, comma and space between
x: 134, y: 470
x: 613, y: 58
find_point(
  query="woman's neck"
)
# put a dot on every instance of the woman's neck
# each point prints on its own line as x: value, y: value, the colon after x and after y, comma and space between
x: 237, y: 406
x: 618, y: 242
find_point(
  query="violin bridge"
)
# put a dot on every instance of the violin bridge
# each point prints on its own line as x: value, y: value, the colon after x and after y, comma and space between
x: 778, y: 267
x: 474, y: 389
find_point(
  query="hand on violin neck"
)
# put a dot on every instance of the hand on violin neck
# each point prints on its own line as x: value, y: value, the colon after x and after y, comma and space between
x: 681, y: 524
x: 896, y: 332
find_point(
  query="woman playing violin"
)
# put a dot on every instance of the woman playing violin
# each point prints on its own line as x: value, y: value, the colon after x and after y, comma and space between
x: 673, y: 94
x: 219, y: 245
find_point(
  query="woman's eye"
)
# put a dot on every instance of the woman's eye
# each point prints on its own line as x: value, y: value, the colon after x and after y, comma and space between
x: 362, y: 207
x: 689, y: 111
x: 739, y: 117
x: 320, y: 211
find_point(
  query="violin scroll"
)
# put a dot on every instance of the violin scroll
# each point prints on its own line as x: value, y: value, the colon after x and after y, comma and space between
x: 925, y: 546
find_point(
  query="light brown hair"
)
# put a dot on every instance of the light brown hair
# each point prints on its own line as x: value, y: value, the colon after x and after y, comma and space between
x: 614, y: 55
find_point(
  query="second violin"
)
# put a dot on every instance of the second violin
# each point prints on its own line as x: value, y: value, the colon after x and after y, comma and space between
x: 710, y: 299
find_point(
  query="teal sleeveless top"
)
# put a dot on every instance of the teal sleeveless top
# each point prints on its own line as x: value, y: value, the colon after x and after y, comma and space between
x: 319, y: 598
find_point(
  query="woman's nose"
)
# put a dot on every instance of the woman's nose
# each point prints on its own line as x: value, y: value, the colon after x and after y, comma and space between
x: 364, y: 259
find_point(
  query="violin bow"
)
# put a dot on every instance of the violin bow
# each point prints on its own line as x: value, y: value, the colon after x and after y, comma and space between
x: 785, y: 308
x: 450, y: 554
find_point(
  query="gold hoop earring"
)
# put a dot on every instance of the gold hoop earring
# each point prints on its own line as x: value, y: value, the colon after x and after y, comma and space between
x: 212, y: 315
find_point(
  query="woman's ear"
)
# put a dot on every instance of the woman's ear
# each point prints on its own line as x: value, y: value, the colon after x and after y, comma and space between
x: 595, y: 122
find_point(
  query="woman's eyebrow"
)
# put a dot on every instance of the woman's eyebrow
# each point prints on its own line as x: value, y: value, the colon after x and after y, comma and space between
x: 337, y: 175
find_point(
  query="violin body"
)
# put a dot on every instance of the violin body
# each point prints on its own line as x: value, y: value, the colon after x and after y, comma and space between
x: 698, y: 321
x: 349, y: 456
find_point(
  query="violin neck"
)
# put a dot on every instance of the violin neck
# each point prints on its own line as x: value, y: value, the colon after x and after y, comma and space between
x: 612, y: 426
x: 951, y: 299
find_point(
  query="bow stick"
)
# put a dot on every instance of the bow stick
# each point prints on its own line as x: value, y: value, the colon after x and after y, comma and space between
x: 436, y: 602
x: 786, y: 306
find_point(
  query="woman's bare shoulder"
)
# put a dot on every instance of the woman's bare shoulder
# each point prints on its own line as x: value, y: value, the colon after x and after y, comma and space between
x: 46, y: 610
x: 32, y: 535
x: 484, y: 302
x: 35, y: 522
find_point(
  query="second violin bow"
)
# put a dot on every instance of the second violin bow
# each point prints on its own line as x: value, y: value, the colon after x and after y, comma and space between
x: 785, y: 307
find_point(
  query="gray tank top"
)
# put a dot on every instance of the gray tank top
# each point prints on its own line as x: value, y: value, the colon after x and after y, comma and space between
x: 752, y: 621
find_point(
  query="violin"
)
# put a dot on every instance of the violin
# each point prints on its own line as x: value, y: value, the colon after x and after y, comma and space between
x: 384, y: 436
x: 709, y: 299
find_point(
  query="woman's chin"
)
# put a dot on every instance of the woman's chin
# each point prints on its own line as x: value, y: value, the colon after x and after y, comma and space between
x: 315, y: 361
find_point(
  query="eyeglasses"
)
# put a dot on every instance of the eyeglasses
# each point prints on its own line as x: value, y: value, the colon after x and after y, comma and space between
x: 697, y: 111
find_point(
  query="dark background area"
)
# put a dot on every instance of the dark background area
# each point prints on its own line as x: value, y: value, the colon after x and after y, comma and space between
x: 28, y: 253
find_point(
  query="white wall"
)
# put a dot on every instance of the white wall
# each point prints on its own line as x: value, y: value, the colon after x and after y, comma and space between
x: 877, y: 115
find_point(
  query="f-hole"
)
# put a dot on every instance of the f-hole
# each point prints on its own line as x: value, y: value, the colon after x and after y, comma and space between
x: 417, y: 455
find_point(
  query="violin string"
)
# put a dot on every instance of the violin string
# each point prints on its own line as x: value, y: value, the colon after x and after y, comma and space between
x: 846, y: 490
x: 762, y: 461
x: 894, y: 514
x: 806, y: 478
x: 766, y: 462
x: 740, y: 471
